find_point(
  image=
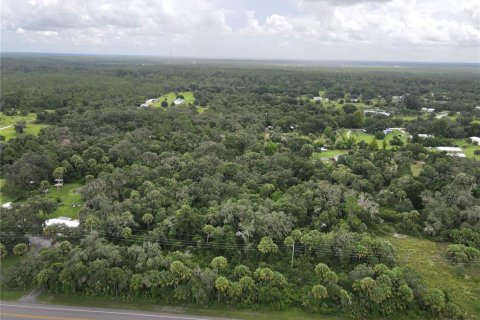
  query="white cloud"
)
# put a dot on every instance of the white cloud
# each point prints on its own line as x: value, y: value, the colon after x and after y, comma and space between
x: 398, y: 27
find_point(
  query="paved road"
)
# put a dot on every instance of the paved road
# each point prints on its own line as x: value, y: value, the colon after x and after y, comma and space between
x: 16, y: 311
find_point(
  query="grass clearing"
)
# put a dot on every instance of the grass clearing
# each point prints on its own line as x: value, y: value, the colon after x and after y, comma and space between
x: 187, y: 95
x: 416, y: 168
x: 427, y: 258
x: 366, y: 137
x: 7, y: 264
x: 32, y: 128
x: 11, y: 120
x: 211, y: 310
x: 69, y: 196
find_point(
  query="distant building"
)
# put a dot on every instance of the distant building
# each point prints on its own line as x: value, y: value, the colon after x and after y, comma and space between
x: 62, y: 221
x: 429, y: 110
x: 144, y: 105
x: 426, y: 135
x: 178, y: 101
x: 387, y: 114
x: 389, y: 130
x: 317, y: 98
x: 150, y: 101
x: 453, y: 151
x: 475, y: 140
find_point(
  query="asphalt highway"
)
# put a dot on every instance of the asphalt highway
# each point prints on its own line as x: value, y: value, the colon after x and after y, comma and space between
x: 16, y: 311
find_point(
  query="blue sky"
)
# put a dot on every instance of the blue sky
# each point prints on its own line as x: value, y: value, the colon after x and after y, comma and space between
x: 388, y: 30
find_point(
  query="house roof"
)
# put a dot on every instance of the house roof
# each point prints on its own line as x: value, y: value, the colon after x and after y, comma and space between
x: 450, y: 149
x: 63, y: 220
x: 7, y: 205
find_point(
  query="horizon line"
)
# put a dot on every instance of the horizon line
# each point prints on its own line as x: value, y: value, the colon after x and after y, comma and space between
x: 234, y: 58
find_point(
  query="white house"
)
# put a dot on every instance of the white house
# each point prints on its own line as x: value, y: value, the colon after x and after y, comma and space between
x: 377, y: 112
x: 429, y: 110
x: 178, y: 101
x: 68, y: 222
x: 475, y: 140
x: 317, y: 98
x: 7, y: 205
x: 150, y: 101
x: 144, y: 105
x: 453, y: 151
x: 426, y: 135
x: 388, y: 130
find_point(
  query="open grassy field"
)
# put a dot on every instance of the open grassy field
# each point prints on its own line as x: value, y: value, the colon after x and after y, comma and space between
x: 416, y: 168
x: 428, y: 259
x: 32, y: 128
x: 188, y: 96
x: 7, y: 123
x: 11, y: 120
x: 369, y: 137
x: 69, y: 196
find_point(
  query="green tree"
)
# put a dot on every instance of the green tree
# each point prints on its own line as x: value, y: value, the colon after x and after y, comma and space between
x: 3, y: 251
x: 147, y: 218
x: 219, y: 263
x: 267, y: 245
x: 44, y: 186
x: 20, y: 249
x: 319, y: 292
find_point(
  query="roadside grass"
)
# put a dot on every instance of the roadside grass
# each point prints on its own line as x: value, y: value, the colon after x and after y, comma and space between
x: 187, y: 95
x: 11, y: 120
x: 32, y: 128
x: 467, y: 147
x: 7, y: 264
x: 69, y: 196
x: 211, y: 310
x: 428, y: 259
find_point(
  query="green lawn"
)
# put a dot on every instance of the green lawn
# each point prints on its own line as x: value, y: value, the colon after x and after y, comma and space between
x: 69, y: 196
x: 32, y: 128
x: 188, y: 96
x: 427, y: 258
x: 10, y: 120
x: 416, y: 168
x: 369, y: 137
x: 7, y: 264
x: 210, y: 311
x: 468, y: 148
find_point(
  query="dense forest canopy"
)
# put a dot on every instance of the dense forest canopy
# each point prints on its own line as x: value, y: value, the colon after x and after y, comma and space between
x: 234, y: 198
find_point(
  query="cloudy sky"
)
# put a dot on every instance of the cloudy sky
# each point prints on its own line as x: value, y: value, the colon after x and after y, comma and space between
x: 388, y: 30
